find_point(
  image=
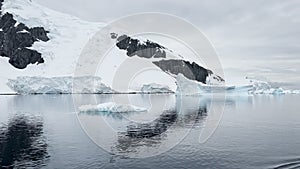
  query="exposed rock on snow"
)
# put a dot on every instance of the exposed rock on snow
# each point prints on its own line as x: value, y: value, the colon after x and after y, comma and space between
x: 142, y: 49
x: 158, y: 55
x: 111, y: 107
x: 58, y: 85
x: 191, y: 71
x: 15, y: 38
x: 155, y: 88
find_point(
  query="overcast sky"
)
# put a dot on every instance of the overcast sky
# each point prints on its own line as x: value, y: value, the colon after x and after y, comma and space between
x: 260, y: 37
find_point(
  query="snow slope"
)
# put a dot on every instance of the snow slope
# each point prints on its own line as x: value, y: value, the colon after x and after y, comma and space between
x: 68, y: 35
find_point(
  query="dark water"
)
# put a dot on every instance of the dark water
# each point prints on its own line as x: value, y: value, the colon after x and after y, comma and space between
x: 43, y: 131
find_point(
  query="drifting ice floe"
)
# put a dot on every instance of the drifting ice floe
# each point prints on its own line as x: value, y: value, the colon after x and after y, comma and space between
x: 111, y: 107
x: 58, y: 85
x: 155, y: 88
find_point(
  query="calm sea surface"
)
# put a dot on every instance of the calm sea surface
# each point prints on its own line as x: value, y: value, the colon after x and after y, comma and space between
x: 47, y: 131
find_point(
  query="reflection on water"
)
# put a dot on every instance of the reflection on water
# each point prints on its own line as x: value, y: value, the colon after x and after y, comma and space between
x: 145, y: 134
x: 157, y: 127
x: 22, y: 143
x: 166, y: 123
x: 150, y: 134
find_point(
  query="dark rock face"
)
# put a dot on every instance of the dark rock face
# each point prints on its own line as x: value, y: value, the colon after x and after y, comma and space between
x: 15, y: 38
x: 145, y: 49
x: 191, y: 71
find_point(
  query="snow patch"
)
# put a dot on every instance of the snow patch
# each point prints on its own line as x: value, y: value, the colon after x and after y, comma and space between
x: 58, y: 85
x: 111, y: 107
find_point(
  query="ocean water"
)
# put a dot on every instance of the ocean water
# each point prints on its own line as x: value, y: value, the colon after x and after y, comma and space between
x: 47, y: 131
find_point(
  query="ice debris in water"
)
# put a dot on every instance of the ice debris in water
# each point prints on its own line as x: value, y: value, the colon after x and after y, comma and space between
x: 111, y: 107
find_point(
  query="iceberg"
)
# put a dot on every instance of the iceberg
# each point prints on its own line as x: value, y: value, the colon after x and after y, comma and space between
x: 58, y: 85
x: 155, y: 88
x: 110, y: 107
x: 265, y: 87
x: 191, y: 87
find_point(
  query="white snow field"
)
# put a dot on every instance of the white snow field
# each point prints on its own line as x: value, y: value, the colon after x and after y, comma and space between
x: 111, y: 107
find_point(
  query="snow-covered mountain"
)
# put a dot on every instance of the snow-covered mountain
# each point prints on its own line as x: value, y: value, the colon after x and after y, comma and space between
x: 65, y: 37
x: 67, y: 34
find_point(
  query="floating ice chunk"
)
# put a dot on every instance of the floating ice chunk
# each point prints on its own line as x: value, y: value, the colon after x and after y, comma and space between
x: 155, y: 88
x: 58, y: 85
x: 111, y: 107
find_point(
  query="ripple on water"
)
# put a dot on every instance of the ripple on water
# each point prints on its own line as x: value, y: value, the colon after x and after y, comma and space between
x: 289, y: 164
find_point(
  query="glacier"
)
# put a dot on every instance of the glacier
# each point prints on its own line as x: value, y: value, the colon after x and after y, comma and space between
x: 58, y: 85
x: 25, y: 85
x: 155, y: 88
x: 110, y: 107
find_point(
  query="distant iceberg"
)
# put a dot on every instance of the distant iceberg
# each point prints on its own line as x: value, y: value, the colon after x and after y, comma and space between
x: 265, y: 87
x: 155, y: 88
x: 191, y: 87
x: 58, y: 85
x: 111, y: 107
